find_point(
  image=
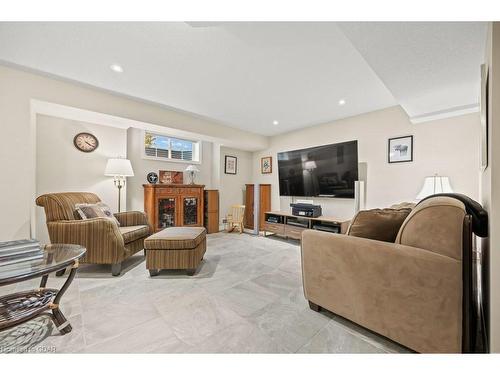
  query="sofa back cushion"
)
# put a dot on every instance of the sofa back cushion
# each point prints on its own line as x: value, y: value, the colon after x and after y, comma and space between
x: 436, y: 224
x: 378, y: 224
x: 61, y: 206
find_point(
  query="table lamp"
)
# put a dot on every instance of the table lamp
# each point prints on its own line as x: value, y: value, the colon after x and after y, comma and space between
x: 119, y: 169
x: 192, y: 170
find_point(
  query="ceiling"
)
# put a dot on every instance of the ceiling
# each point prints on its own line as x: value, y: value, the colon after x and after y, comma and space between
x: 428, y: 66
x: 248, y: 75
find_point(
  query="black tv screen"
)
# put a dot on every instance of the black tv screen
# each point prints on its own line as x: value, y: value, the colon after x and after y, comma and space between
x: 324, y: 171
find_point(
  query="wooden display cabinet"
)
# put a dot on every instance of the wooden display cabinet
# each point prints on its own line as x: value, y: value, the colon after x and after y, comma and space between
x: 174, y: 205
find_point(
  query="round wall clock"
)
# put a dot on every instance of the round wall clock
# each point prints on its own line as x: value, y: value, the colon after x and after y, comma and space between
x: 152, y: 178
x: 85, y: 142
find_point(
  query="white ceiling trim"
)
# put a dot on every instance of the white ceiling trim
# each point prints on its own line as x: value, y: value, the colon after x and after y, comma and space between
x: 78, y: 114
x: 452, y: 112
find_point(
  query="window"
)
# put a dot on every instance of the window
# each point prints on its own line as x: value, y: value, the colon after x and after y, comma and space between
x: 163, y: 147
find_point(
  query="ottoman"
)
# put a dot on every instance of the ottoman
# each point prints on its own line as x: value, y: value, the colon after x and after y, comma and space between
x: 175, y: 248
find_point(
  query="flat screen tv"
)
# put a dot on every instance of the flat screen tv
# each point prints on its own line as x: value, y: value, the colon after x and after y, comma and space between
x: 323, y: 171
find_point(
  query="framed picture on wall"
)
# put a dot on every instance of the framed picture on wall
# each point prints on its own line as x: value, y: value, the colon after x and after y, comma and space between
x: 230, y: 164
x: 400, y: 149
x: 171, y: 177
x: 266, y: 165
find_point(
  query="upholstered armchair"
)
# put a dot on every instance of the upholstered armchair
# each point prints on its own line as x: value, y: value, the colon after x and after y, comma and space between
x: 413, y: 284
x: 105, y: 241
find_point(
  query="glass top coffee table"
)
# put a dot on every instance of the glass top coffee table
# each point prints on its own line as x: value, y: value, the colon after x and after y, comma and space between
x: 20, y: 307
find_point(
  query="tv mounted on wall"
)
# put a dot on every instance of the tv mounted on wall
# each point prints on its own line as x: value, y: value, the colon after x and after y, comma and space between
x: 323, y: 171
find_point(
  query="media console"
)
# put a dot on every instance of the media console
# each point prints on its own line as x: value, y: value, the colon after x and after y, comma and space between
x: 287, y: 225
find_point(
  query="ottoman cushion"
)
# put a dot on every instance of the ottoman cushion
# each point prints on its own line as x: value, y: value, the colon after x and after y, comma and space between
x: 175, y: 238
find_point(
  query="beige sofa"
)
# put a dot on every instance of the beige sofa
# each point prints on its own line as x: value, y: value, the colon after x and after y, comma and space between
x: 106, y: 242
x: 411, y: 291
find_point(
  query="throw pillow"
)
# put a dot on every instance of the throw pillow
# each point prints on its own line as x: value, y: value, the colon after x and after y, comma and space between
x: 93, y: 210
x: 401, y: 205
x: 107, y: 211
x: 378, y: 224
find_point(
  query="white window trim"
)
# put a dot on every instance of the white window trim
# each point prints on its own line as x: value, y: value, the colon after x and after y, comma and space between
x: 199, y: 144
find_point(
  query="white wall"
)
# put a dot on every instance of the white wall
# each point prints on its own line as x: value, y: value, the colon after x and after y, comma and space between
x: 232, y: 187
x: 490, y: 182
x: 17, y: 156
x: 61, y: 167
x: 448, y: 147
x: 142, y: 167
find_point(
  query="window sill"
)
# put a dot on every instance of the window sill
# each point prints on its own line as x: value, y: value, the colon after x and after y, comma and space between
x: 154, y: 158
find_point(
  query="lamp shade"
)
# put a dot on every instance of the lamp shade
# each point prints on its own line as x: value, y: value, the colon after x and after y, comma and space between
x: 119, y: 167
x: 310, y: 165
x: 192, y: 168
x: 435, y: 185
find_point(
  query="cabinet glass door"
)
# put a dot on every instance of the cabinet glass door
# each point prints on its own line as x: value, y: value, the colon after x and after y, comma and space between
x: 190, y: 210
x: 166, y: 213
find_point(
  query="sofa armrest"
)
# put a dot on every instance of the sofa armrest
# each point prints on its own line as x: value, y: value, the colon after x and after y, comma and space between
x: 408, y: 294
x: 130, y: 218
x: 100, y: 236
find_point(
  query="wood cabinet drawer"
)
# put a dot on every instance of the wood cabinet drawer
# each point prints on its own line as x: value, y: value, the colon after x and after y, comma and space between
x: 193, y: 191
x: 274, y: 228
x: 168, y: 191
x: 294, y: 232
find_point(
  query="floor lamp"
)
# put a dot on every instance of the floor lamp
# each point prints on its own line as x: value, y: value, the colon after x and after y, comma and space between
x: 435, y: 185
x: 119, y: 169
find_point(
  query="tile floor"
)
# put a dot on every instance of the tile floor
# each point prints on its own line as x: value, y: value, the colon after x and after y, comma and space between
x: 246, y: 298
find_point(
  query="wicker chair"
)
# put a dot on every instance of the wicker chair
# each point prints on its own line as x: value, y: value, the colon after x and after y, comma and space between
x: 105, y: 241
x: 235, y: 218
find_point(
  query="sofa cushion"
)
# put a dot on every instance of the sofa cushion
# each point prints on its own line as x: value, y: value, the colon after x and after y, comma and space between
x: 134, y: 232
x: 176, y: 238
x: 378, y: 224
x: 93, y: 210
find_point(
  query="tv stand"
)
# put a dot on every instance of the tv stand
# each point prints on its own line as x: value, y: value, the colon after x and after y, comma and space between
x: 286, y: 225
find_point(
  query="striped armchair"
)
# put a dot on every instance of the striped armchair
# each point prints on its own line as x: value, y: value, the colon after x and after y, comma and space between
x: 105, y: 241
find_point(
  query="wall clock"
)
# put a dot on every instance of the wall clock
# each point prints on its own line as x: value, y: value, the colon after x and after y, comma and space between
x: 85, y: 142
x: 152, y: 178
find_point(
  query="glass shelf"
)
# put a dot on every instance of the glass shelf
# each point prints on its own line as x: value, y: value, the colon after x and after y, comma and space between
x: 190, y: 208
x: 166, y: 213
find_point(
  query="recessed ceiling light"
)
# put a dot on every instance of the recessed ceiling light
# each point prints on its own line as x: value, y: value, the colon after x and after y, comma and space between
x: 116, y: 68
x: 275, y: 122
x: 341, y: 101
